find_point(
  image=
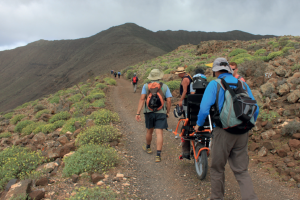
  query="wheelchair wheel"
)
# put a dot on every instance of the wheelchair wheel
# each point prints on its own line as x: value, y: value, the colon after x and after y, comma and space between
x: 201, y: 165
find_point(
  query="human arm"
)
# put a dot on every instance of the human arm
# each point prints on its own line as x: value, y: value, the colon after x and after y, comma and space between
x: 140, y: 106
x: 168, y: 106
x: 252, y: 97
x: 185, y: 83
x: 209, y: 99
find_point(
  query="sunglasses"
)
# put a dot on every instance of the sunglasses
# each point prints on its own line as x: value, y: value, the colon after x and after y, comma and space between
x: 233, y: 69
x: 224, y: 64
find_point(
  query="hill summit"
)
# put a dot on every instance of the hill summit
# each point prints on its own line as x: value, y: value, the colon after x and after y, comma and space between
x: 44, y: 67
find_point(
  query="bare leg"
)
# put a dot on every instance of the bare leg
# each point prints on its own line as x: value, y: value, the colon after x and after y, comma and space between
x: 149, y: 136
x: 159, y: 141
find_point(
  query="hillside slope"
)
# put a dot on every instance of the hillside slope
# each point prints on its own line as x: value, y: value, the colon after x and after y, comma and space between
x: 44, y: 67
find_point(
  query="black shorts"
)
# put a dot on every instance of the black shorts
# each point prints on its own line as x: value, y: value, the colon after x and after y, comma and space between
x: 156, y: 120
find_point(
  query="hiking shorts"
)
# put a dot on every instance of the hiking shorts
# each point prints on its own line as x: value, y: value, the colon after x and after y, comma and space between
x: 156, y: 120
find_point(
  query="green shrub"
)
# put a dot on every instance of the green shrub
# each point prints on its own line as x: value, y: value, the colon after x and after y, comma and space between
x: 48, y: 128
x: 90, y: 158
x: 268, y: 116
x: 112, y: 82
x: 31, y: 127
x: 22, y: 106
x: 103, y: 117
x: 129, y: 74
x: 168, y: 71
x: 253, y: 68
x: 296, y: 67
x: 8, y: 115
x: 17, y: 118
x: 54, y: 99
x: 291, y: 128
x: 39, y: 107
x: 39, y: 114
x: 93, y: 194
x: 60, y: 116
x: 94, y: 96
x: 70, y: 124
x: 101, y: 86
x: 59, y: 123
x: 275, y: 44
x: 286, y: 49
x: 147, y: 73
x: 34, y: 103
x: 190, y: 69
x: 99, y: 103
x: 17, y: 162
x: 85, y: 89
x: 97, y: 135
x: 240, y: 58
x: 274, y: 55
x: 75, y: 98
x: 5, y: 135
x: 204, y: 56
x: 21, y: 125
x: 210, y: 78
x: 283, y: 41
x: 260, y: 52
x: 236, y: 52
x: 173, y: 85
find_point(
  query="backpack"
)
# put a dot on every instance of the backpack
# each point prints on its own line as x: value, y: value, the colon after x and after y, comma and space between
x: 134, y: 79
x: 237, y: 114
x: 155, y: 100
x: 239, y: 77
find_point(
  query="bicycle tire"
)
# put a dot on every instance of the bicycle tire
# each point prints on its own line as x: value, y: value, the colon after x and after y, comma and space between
x: 201, y: 166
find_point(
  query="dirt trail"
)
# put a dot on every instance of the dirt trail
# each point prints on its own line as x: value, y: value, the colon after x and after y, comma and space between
x: 172, y: 178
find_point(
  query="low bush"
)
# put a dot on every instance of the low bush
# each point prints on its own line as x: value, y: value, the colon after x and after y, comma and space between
x: 93, y: 194
x: 75, y: 98
x: 90, y: 158
x: 291, y: 128
x: 103, y: 117
x: 97, y: 135
x: 23, y: 106
x: 268, y: 116
x: 173, y: 85
x: 21, y: 125
x: 190, y: 69
x: 168, y: 71
x: 17, y: 118
x: 260, y: 52
x: 129, y: 74
x: 39, y: 114
x: 65, y: 115
x: 5, y: 135
x: 48, y: 128
x: 274, y: 55
x: 242, y: 57
x: 39, y: 107
x: 236, y: 52
x: 8, y: 115
x: 94, y: 96
x: 296, y: 67
x: 286, y: 49
x: 99, y: 103
x: 145, y: 76
x: 85, y: 89
x: 252, y: 68
x: 70, y: 124
x: 101, y: 86
x: 31, y: 127
x: 112, y: 82
x: 17, y: 162
x: 54, y: 99
x: 283, y: 41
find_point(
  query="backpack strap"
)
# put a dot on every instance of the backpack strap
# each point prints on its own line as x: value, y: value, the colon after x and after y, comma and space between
x: 226, y: 86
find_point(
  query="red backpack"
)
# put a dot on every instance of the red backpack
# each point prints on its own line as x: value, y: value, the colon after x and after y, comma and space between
x: 134, y: 79
x: 155, y: 100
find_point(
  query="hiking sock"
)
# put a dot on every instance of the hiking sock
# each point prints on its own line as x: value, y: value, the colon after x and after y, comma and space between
x: 158, y: 153
x: 148, y: 146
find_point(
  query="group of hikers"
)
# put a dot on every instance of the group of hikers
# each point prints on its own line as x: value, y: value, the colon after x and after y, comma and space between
x: 114, y: 73
x: 156, y: 100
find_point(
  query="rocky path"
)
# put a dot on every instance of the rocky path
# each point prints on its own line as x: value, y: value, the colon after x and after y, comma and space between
x: 172, y: 178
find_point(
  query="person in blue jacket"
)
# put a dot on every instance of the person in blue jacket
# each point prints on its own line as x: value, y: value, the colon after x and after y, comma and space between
x: 226, y: 146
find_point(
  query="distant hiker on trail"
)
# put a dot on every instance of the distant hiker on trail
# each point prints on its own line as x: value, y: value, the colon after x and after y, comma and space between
x: 234, y: 67
x: 184, y: 87
x: 155, y: 110
x: 198, y: 73
x: 134, y: 82
x: 229, y: 142
x: 115, y: 74
x: 119, y: 74
x: 112, y: 72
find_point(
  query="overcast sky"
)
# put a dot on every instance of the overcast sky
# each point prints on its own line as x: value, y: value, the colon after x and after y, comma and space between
x: 25, y: 21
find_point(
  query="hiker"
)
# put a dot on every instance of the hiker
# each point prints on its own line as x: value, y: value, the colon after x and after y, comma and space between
x: 112, y: 72
x: 119, y: 74
x: 198, y: 73
x: 156, y: 111
x: 234, y: 67
x: 115, y: 74
x: 184, y: 87
x: 134, y: 82
x: 225, y: 145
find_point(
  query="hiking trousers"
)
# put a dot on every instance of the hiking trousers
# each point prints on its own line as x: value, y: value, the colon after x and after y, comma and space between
x: 234, y: 148
x: 134, y: 87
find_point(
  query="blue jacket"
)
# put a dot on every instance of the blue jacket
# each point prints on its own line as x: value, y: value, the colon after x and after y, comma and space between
x: 210, y: 95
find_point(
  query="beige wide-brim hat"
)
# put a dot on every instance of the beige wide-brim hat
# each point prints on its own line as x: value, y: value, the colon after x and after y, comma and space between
x: 155, y: 74
x: 180, y: 70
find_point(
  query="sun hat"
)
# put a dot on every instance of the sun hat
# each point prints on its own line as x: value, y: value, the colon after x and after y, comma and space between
x: 221, y: 64
x: 180, y: 70
x: 155, y: 74
x: 134, y: 73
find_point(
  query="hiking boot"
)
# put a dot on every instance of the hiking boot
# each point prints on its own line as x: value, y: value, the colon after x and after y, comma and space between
x: 177, y: 136
x: 157, y: 159
x: 148, y: 150
x: 186, y: 156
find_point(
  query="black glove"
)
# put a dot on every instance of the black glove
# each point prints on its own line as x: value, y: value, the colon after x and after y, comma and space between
x: 201, y: 128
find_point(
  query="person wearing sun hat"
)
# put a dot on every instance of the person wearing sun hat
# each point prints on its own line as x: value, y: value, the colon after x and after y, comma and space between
x: 158, y: 119
x: 225, y: 145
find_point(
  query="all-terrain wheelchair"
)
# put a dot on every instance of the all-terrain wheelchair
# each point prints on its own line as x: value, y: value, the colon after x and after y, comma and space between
x: 199, y: 141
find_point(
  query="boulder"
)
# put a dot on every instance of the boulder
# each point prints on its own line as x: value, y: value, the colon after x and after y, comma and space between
x: 257, y: 96
x: 280, y: 71
x: 38, y: 138
x: 97, y: 177
x: 294, y: 96
x: 297, y: 155
x: 281, y: 153
x: 294, y: 144
x: 253, y: 146
x: 263, y: 152
x: 296, y: 136
x: 268, y: 134
x: 283, y: 89
x: 77, y: 125
x: 63, y: 139
x: 43, y: 181
x: 75, y: 178
x: 267, y: 88
x: 269, y: 145
x: 10, y: 183
x: 20, y: 189
x: 37, y: 194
